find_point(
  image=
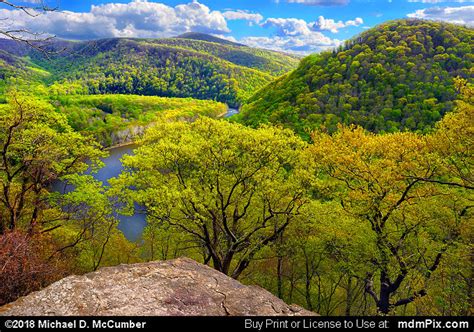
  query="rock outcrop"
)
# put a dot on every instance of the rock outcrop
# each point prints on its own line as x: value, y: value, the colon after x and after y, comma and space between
x: 169, y: 288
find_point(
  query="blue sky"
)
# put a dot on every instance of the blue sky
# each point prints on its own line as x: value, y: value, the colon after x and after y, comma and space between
x: 299, y: 26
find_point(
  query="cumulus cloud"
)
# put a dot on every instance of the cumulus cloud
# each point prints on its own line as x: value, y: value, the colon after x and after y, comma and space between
x: 333, y: 26
x: 288, y: 26
x: 139, y: 18
x: 35, y: 1
x: 294, y: 26
x: 243, y: 15
x: 460, y: 15
x: 147, y: 19
x: 319, y: 2
x: 305, y: 44
x: 298, y: 36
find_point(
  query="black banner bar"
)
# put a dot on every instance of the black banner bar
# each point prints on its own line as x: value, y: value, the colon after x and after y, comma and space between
x: 229, y: 324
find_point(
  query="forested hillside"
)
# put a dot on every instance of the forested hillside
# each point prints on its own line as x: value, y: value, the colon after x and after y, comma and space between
x: 274, y: 63
x: 397, y: 76
x: 341, y: 219
x: 355, y: 223
x: 178, y: 67
x: 116, y: 119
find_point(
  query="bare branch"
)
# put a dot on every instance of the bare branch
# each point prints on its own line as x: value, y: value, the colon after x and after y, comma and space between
x: 32, y: 11
x: 36, y: 40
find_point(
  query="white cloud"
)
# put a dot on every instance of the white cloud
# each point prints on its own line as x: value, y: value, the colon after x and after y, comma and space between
x: 459, y: 15
x: 295, y: 26
x: 147, y: 19
x: 319, y: 2
x: 243, y: 15
x: 304, y: 44
x: 139, y: 18
x: 333, y: 26
x: 298, y: 36
x: 288, y: 26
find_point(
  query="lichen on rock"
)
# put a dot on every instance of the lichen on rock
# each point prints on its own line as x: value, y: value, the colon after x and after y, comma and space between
x: 178, y: 287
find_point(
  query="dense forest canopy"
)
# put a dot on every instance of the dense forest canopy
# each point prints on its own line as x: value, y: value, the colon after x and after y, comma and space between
x: 178, y: 67
x: 354, y: 223
x: 363, y: 205
x: 395, y: 77
x: 140, y: 77
x: 115, y: 119
x: 232, y: 188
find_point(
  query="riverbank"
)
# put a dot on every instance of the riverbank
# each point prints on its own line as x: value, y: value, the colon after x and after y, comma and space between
x: 119, y: 146
x: 131, y: 226
x: 230, y: 112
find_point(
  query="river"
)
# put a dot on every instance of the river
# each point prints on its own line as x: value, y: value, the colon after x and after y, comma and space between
x: 131, y: 226
x: 231, y: 112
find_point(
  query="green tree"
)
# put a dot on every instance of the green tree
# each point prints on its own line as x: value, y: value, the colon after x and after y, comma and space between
x: 233, y: 189
x: 37, y: 148
x: 46, y: 234
x: 391, y: 73
x: 377, y: 180
x: 453, y: 140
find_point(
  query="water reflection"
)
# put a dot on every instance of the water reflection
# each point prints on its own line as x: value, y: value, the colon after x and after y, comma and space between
x: 131, y: 226
x: 231, y: 112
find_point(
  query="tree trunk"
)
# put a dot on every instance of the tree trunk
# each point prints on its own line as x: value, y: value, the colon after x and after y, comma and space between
x: 349, y: 297
x: 280, y: 276
x: 308, y: 288
x: 384, y: 300
x: 279, y: 251
x: 227, y: 262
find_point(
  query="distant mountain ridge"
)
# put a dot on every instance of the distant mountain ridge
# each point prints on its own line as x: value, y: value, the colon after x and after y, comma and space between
x: 208, y: 38
x: 396, y: 76
x: 188, y: 66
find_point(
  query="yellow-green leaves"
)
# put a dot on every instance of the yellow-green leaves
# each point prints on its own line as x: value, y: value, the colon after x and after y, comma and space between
x: 412, y: 190
x: 37, y: 147
x: 234, y: 189
x: 453, y: 142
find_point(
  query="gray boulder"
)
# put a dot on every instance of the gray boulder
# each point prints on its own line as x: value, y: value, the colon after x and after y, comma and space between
x: 179, y: 287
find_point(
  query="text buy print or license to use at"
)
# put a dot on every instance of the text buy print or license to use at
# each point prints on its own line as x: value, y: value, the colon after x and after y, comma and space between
x: 358, y: 323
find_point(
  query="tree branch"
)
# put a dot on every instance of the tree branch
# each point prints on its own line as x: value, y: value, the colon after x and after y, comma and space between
x: 411, y: 299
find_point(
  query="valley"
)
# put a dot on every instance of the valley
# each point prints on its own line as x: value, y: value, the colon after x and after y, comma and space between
x: 176, y: 67
x: 131, y: 226
x: 341, y: 181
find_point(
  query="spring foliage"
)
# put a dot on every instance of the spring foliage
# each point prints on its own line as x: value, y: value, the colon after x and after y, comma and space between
x: 398, y: 76
x: 233, y: 189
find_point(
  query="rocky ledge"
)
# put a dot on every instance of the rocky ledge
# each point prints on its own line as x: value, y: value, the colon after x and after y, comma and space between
x: 169, y: 288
